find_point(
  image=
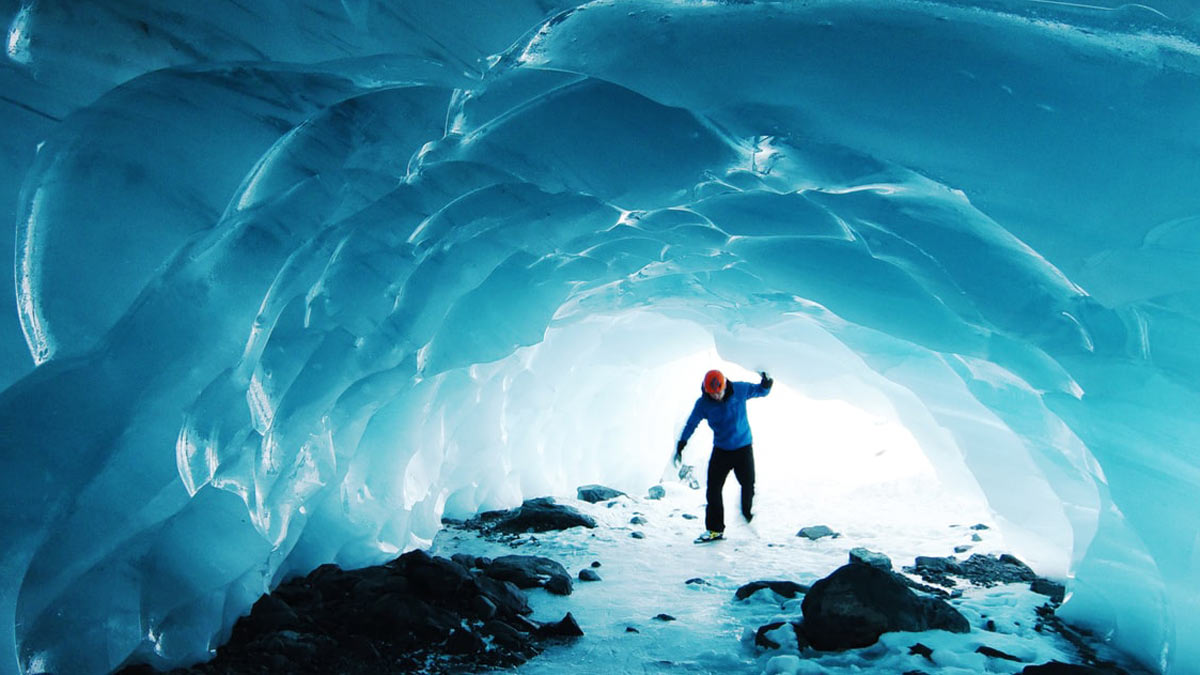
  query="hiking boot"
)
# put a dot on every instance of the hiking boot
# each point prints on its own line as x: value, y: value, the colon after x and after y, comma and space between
x: 711, y: 535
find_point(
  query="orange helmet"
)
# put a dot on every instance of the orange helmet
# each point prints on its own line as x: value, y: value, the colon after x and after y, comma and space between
x: 714, y: 382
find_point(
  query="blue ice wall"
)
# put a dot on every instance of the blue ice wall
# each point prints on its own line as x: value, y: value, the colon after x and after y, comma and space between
x: 285, y: 269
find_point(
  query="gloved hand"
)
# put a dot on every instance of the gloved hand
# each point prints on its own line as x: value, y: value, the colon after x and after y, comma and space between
x: 766, y: 381
x: 679, y: 452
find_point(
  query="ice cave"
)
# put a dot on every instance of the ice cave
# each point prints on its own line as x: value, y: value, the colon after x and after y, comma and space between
x: 294, y: 281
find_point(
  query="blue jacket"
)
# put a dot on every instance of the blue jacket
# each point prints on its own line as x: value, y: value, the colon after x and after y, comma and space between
x: 727, y: 417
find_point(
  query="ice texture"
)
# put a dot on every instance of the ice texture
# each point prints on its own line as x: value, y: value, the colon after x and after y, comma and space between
x: 294, y: 279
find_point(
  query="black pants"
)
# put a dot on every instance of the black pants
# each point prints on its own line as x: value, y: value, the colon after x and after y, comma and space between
x: 741, y: 461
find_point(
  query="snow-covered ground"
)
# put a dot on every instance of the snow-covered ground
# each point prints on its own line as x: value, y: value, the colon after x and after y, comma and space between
x: 712, y: 631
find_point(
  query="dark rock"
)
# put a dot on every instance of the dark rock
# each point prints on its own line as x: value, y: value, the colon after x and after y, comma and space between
x: 695, y: 580
x: 597, y: 493
x: 437, y: 623
x: 504, y: 594
x: 541, y: 515
x: 856, y: 604
x: 763, y: 640
x: 270, y: 614
x: 1053, y: 589
x: 1060, y: 668
x: 529, y: 571
x: 664, y: 617
x: 413, y: 614
x: 995, y: 653
x: 523, y: 624
x: 656, y: 492
x: 436, y: 577
x: 587, y: 574
x: 505, y: 635
x: 689, y: 516
x: 788, y: 589
x: 637, y: 535
x: 637, y: 520
x: 934, y: 564
x: 482, y: 607
x: 559, y: 585
x: 962, y: 549
x: 595, y: 563
x: 566, y: 627
x: 816, y: 532
x: 465, y: 559
x: 990, y: 626
x: 935, y: 570
x: 463, y: 641
x: 980, y: 526
x: 922, y: 650
x: 985, y: 570
x: 1009, y: 559
x: 631, y: 629
x: 863, y: 556
x: 976, y: 537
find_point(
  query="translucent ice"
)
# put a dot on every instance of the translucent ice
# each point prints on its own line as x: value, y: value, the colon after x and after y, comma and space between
x: 284, y: 297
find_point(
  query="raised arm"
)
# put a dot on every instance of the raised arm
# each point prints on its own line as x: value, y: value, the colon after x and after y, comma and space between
x: 762, y: 388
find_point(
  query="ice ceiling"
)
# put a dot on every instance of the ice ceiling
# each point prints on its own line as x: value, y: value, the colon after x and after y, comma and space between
x: 296, y: 278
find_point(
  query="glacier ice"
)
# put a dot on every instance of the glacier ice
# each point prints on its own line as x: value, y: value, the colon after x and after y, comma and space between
x: 284, y: 297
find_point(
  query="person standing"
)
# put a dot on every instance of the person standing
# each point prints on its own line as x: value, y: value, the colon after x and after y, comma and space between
x: 723, y: 405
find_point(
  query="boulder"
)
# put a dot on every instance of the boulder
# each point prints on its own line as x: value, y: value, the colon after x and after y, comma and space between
x: 559, y: 585
x: 540, y: 515
x: 936, y: 570
x: 637, y: 520
x: 787, y: 589
x: 986, y: 570
x: 993, y: 653
x: 529, y: 571
x: 587, y: 574
x: 856, y: 604
x: 816, y: 532
x: 464, y: 641
x: 1053, y: 589
x: 945, y: 565
x: 597, y: 493
x: 503, y: 594
x: 396, y: 617
x: 566, y: 627
x: 656, y: 492
x: 505, y: 635
x: 921, y: 649
x: 434, y: 577
x: 863, y: 556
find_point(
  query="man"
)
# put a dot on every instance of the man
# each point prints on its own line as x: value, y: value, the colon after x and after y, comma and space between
x: 723, y: 405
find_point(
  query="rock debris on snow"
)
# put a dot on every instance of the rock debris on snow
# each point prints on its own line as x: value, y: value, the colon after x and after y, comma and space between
x: 816, y: 532
x: 597, y: 493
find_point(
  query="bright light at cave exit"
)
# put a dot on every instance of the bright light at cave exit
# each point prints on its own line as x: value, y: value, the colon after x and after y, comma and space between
x: 799, y: 440
x: 610, y: 395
